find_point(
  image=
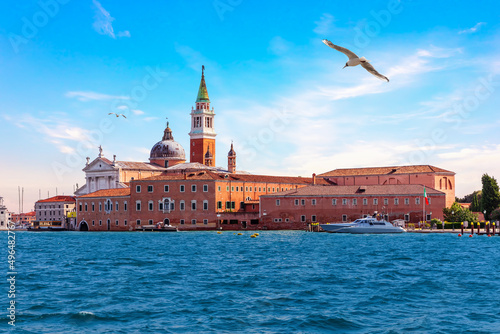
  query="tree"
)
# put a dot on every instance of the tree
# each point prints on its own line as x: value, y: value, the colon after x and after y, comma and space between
x: 475, y: 206
x: 456, y: 213
x: 468, y: 198
x: 495, y: 215
x: 490, y: 199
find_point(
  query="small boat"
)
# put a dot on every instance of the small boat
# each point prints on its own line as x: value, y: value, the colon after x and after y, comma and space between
x: 160, y: 227
x: 364, y: 225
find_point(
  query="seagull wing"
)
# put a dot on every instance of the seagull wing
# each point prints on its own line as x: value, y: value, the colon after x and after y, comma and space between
x: 373, y: 71
x: 124, y: 116
x: 345, y: 51
x: 111, y: 113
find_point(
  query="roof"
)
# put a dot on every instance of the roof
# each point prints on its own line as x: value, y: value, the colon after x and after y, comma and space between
x: 209, y: 175
x: 202, y: 91
x: 58, y: 199
x: 394, y: 170
x: 392, y: 189
x: 117, y: 192
x: 137, y: 165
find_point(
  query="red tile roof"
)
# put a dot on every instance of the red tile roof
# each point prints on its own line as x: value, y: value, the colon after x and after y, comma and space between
x: 58, y: 199
x: 118, y: 192
x: 386, y: 170
x: 393, y: 189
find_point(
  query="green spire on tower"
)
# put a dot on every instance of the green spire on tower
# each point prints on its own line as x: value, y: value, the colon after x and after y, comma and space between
x: 202, y: 92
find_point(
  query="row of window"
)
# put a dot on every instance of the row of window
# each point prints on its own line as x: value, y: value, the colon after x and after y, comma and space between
x: 167, y: 205
x: 261, y: 189
x: 45, y: 207
x: 108, y: 206
x: 166, y: 188
x: 345, y: 201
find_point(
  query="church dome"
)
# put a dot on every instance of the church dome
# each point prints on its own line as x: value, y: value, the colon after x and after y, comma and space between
x: 167, y: 150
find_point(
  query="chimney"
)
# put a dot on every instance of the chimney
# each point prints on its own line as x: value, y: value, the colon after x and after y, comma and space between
x: 314, y: 179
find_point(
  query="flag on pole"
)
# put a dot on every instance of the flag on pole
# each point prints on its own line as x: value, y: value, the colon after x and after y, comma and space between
x: 425, y: 197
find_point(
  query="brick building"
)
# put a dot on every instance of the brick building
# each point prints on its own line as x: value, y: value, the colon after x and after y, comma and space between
x: 326, y: 204
x: 430, y: 176
x: 24, y: 219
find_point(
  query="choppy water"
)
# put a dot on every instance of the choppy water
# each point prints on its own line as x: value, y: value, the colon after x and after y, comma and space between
x: 279, y: 282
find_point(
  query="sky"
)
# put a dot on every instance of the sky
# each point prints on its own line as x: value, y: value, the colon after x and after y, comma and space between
x: 278, y: 92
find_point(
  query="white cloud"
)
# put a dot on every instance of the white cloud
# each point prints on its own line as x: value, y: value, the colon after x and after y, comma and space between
x: 102, y: 20
x: 149, y: 119
x: 473, y: 29
x: 279, y: 46
x: 125, y: 33
x: 324, y: 25
x: 90, y: 96
x: 137, y: 111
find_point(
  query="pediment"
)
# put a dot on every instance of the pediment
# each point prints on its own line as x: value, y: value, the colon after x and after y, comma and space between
x: 99, y: 164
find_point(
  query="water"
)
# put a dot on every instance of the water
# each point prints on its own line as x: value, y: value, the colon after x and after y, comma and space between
x: 279, y: 282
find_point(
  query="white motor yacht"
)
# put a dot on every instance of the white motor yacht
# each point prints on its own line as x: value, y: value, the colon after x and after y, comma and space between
x: 363, y: 225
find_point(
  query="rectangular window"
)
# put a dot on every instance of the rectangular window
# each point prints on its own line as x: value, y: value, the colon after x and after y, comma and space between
x: 344, y: 201
x: 375, y: 201
x: 138, y: 206
x: 85, y: 207
x: 237, y: 188
x: 296, y: 202
x: 228, y: 205
x: 125, y: 206
x: 150, y: 222
x: 246, y: 188
x: 219, y: 205
x: 138, y: 222
x: 125, y: 222
x: 407, y: 201
x: 193, y: 221
x: 137, y: 189
x: 150, y: 189
x: 193, y: 205
x: 417, y: 200
x: 150, y: 206
x: 303, y: 202
x: 313, y: 218
x: 193, y: 188
x: 93, y: 223
x: 100, y: 206
x: 93, y: 207
x: 205, y: 221
x: 232, y: 188
x: 273, y: 190
x: 302, y: 218
x: 260, y: 188
x: 344, y: 218
x: 227, y: 188
x: 182, y: 221
x: 166, y: 188
x: 233, y: 205
x: 80, y: 207
x: 205, y: 205
x: 250, y: 188
x: 396, y: 201
x: 205, y: 188
x: 182, y: 205
x: 100, y: 222
x: 218, y: 188
x: 354, y: 201
x: 181, y: 188
x: 313, y: 202
x: 277, y: 202
x: 429, y: 199
x: 160, y: 206
x: 116, y: 222
x: 172, y: 206
x: 334, y: 201
x: 386, y: 201
x: 116, y: 206
x: 365, y: 201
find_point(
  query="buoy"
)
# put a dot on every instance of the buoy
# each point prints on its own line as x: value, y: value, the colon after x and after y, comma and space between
x: 253, y: 236
x: 256, y: 233
x: 240, y: 233
x: 489, y: 235
x: 219, y: 232
x: 459, y: 235
x: 470, y: 235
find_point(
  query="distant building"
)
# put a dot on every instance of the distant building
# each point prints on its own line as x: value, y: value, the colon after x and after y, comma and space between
x: 53, y: 211
x: 325, y: 204
x: 24, y: 219
x: 429, y: 176
x: 5, y: 216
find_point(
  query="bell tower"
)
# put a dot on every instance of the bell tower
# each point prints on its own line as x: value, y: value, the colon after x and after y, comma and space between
x: 202, y: 135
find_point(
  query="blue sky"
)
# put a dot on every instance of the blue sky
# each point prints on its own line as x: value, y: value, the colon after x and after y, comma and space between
x: 279, y: 93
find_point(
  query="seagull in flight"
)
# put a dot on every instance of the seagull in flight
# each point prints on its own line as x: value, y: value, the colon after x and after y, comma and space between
x: 117, y: 115
x: 355, y: 60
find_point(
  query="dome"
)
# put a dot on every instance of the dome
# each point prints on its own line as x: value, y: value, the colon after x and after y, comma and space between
x: 167, y: 149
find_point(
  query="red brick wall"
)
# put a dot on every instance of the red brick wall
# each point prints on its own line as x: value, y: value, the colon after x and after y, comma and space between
x: 198, y: 148
x: 92, y: 218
